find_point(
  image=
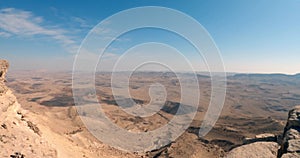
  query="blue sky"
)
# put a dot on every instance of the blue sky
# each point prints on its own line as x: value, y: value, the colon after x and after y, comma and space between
x: 260, y: 36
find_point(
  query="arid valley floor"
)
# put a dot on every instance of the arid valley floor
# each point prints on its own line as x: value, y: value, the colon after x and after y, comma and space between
x: 255, y: 104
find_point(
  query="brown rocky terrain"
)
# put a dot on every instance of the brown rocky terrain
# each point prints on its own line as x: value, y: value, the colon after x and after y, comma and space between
x: 255, y: 105
x: 18, y: 135
x: 286, y: 145
x: 48, y: 126
x: 25, y: 133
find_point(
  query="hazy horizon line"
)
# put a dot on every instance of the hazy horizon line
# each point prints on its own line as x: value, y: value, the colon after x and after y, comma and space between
x: 157, y: 71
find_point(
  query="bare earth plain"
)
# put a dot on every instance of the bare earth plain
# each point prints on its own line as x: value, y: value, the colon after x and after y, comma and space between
x: 255, y: 104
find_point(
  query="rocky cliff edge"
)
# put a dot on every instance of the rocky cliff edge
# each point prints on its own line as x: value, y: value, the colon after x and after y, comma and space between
x: 286, y: 145
x: 19, y: 136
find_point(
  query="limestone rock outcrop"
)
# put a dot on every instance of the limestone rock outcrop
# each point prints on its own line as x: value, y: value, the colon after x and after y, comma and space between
x: 16, y: 136
x: 269, y: 146
x: 255, y: 150
x: 3, y: 69
x: 291, y: 137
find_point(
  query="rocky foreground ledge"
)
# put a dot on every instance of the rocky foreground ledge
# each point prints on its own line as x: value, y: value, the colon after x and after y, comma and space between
x: 290, y: 146
x: 19, y: 136
x: 270, y: 146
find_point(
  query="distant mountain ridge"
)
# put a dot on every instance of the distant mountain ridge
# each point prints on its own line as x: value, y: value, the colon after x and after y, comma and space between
x: 266, y: 75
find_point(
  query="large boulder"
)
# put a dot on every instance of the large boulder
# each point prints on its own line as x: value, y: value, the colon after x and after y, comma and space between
x: 255, y: 150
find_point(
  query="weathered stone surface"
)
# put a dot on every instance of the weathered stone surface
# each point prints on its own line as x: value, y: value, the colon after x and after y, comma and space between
x: 3, y: 68
x: 294, y: 118
x: 255, y: 150
x: 291, y: 155
x: 265, y: 145
x: 292, y: 134
x: 265, y: 137
x: 293, y: 145
x: 17, y: 139
x: 290, y: 146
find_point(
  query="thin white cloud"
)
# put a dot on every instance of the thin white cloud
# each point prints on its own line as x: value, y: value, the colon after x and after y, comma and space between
x: 4, y: 34
x: 101, y: 31
x: 24, y: 23
x: 82, y: 22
